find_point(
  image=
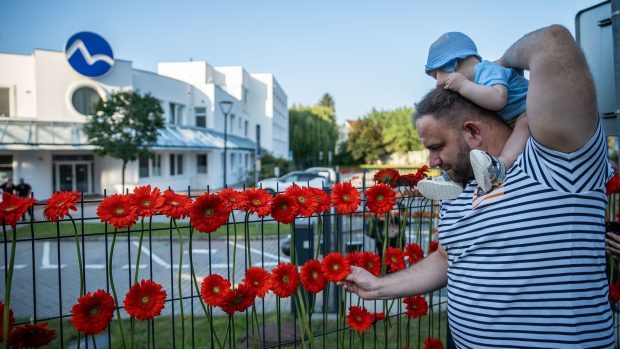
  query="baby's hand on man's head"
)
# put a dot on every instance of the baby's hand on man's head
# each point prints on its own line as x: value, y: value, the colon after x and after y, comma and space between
x: 455, y: 82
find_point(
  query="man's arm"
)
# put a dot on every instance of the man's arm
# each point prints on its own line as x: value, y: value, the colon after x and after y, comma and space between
x: 489, y: 97
x: 427, y: 275
x: 561, y: 102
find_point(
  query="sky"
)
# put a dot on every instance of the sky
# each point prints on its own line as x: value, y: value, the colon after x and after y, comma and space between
x: 366, y: 54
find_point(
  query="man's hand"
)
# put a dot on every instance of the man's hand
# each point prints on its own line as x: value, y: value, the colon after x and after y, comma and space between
x: 361, y: 282
x: 455, y: 82
x: 612, y: 245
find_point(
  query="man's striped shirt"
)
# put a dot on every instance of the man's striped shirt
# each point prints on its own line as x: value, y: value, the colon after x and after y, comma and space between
x: 527, y: 260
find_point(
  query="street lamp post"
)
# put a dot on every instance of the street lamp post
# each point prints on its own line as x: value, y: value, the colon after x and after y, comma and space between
x: 226, y: 106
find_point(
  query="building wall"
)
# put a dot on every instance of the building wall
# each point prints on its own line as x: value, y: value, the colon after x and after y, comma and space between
x: 42, y: 85
x: 18, y: 74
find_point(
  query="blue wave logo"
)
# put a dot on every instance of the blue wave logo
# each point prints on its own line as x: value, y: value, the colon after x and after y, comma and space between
x: 89, y: 54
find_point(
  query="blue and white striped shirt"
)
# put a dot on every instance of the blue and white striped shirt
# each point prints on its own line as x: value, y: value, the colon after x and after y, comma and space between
x: 527, y: 260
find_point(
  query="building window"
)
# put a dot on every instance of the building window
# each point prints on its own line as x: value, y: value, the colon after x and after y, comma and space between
x: 202, y: 163
x: 233, y: 158
x: 246, y: 92
x: 179, y: 164
x: 232, y: 122
x: 176, y: 164
x: 143, y: 164
x: 156, y: 165
x: 245, y: 129
x: 201, y: 116
x: 4, y: 101
x: 6, y: 167
x: 247, y: 160
x: 85, y: 100
x: 176, y: 113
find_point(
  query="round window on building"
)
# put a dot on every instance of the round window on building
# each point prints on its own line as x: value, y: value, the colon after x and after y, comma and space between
x: 84, y: 100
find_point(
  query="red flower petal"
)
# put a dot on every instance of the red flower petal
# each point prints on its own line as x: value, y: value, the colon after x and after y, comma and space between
x: 145, y: 300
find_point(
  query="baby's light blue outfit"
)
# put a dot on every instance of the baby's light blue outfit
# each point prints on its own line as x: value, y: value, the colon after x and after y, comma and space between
x: 488, y: 74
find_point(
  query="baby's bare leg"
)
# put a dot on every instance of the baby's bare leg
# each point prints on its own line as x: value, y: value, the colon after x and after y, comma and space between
x: 516, y: 142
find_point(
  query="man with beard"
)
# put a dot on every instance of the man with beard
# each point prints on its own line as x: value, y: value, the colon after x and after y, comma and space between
x: 525, y: 263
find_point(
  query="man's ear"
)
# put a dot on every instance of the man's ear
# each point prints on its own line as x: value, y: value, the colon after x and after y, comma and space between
x: 472, y: 133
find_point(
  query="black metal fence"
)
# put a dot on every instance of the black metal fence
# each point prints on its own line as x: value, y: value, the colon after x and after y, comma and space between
x: 46, y: 279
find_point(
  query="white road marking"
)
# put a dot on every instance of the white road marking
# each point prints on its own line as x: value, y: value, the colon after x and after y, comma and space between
x: 45, y: 259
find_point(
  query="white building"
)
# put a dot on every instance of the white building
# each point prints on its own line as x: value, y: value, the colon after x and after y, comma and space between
x: 44, y: 103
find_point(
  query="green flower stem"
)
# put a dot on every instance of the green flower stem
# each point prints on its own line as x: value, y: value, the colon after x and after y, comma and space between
x: 246, y: 234
x: 135, y: 278
x: 118, y: 312
x: 179, y: 282
x: 255, y: 316
x: 79, y: 256
x: 197, y: 288
x: 94, y: 342
x: 301, y: 302
x: 80, y: 268
x: 325, y: 306
x: 233, y: 339
x: 319, y: 237
x: 234, y: 250
x: 7, y: 290
x: 344, y: 317
x: 278, y: 323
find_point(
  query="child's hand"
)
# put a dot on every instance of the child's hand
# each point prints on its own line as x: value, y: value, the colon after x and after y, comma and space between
x: 455, y: 82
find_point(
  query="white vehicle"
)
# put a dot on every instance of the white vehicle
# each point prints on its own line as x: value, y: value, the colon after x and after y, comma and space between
x: 301, y: 178
x: 326, y: 172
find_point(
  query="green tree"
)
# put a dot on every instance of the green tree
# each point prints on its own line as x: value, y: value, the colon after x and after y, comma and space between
x: 125, y: 126
x: 311, y: 130
x: 399, y: 134
x: 380, y: 133
x: 365, y: 141
x: 328, y: 101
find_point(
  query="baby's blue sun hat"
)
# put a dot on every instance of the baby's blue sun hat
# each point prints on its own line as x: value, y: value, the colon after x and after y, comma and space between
x: 448, y: 49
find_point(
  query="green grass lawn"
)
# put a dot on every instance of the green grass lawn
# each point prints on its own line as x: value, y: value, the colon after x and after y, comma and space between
x: 65, y: 229
x: 398, y: 335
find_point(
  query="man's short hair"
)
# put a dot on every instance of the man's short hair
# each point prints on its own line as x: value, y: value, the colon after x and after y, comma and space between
x: 442, y: 103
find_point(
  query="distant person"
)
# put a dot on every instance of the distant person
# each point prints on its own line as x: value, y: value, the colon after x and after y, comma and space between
x: 453, y: 61
x: 8, y: 186
x: 23, y: 190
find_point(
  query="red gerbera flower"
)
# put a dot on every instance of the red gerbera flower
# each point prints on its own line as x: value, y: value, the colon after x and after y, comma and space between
x: 93, y: 312
x: 118, y: 211
x: 312, y: 278
x: 414, y: 253
x: 371, y: 262
x: 335, y: 267
x: 146, y: 201
x: 208, y: 213
x: 257, y: 279
x: 359, y: 319
x: 387, y: 176
x: 323, y: 200
x: 284, y: 209
x: 213, y: 289
x: 433, y: 247
x: 380, y: 198
x: 238, y: 299
x: 395, y: 259
x: 58, y: 206
x: 306, y: 200
x: 354, y: 258
x: 433, y: 343
x: 613, y: 185
x: 233, y: 200
x: 345, y: 198
x: 416, y: 306
x: 284, y: 280
x: 13, y: 207
x: 378, y: 317
x: 175, y: 205
x: 11, y: 320
x: 614, y: 291
x: 145, y: 300
x: 31, y: 336
x: 257, y: 201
